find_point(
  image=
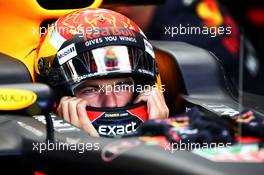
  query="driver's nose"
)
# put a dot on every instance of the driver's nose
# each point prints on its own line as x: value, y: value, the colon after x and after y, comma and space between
x: 109, y: 100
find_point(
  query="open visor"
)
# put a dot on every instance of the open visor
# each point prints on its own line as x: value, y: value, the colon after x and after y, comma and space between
x: 107, y: 61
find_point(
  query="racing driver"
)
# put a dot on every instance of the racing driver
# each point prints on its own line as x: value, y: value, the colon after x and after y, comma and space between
x: 104, y: 71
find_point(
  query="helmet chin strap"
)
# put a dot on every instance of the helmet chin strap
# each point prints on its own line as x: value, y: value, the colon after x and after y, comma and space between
x: 127, y: 107
x: 120, y: 121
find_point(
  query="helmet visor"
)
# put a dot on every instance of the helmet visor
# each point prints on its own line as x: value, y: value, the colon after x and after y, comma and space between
x: 104, y: 61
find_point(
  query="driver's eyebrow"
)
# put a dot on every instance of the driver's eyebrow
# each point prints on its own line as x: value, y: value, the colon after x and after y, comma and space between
x: 124, y: 82
x: 90, y: 85
x: 84, y: 86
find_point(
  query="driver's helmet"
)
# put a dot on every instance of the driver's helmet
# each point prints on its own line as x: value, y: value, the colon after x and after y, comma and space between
x: 90, y: 44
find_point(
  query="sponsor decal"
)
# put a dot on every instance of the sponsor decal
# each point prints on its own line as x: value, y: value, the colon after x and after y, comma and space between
x: 117, y: 123
x: 146, y: 72
x: 66, y: 53
x: 118, y: 31
x: 125, y: 38
x: 221, y: 109
x: 16, y: 99
x: 110, y: 39
x: 149, y: 48
x: 114, y: 123
x: 93, y: 41
x: 102, y: 38
x: 59, y: 124
x: 117, y: 129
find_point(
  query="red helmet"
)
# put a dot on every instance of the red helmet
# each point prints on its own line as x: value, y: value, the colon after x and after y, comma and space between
x: 93, y: 43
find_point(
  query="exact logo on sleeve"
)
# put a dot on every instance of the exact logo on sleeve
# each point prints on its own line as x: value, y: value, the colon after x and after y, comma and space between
x: 66, y: 53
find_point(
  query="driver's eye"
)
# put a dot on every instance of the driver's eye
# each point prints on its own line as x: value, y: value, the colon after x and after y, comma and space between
x: 90, y: 90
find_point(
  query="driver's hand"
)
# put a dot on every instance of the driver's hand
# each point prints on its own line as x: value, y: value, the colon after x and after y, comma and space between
x: 156, y: 104
x: 73, y: 110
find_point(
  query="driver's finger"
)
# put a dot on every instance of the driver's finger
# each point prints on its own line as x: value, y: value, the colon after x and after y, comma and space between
x: 85, y: 121
x: 64, y: 109
x: 142, y: 97
x: 59, y: 110
x: 160, y: 101
x: 73, y: 112
x: 151, y: 106
x: 157, y: 108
